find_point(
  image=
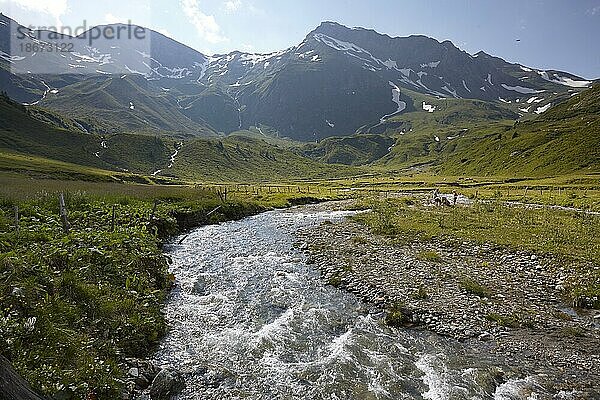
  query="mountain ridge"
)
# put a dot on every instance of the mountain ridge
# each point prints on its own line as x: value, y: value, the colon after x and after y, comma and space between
x: 336, y: 82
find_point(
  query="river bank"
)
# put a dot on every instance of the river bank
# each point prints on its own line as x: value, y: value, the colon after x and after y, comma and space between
x: 504, y: 302
x: 81, y: 295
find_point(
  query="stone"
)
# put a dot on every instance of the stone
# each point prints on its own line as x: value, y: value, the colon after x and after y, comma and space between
x: 134, y: 372
x: 166, y: 384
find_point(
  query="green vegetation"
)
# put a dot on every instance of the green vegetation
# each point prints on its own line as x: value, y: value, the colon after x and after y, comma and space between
x: 562, y: 140
x: 503, y: 320
x: 396, y: 316
x: 72, y: 306
x: 474, y: 287
x: 352, y: 150
x: 430, y: 256
x: 422, y: 293
x: 129, y: 104
x: 570, y: 236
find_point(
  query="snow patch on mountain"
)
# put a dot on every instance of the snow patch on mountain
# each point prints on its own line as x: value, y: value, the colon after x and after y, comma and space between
x: 371, y: 63
x: 330, y: 124
x: 396, y: 93
x: 429, y: 107
x: 525, y: 69
x: 563, y: 80
x: 465, y: 86
x: 451, y: 91
x: 48, y: 89
x: 9, y: 58
x: 131, y: 106
x: 543, y: 109
x: 521, y: 89
x: 432, y: 64
x: 405, y: 71
x: 133, y: 71
x: 525, y: 110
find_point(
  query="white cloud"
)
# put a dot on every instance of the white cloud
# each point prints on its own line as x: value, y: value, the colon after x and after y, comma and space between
x: 206, y: 25
x: 54, y: 8
x: 232, y: 6
x: 113, y: 19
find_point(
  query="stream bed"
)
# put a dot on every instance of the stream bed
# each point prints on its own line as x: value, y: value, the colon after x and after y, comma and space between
x: 250, y: 319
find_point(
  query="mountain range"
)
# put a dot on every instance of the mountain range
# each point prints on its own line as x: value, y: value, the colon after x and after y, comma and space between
x: 336, y: 82
x: 343, y: 95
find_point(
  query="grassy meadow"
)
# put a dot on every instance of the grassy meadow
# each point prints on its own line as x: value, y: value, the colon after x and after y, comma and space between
x: 73, y: 306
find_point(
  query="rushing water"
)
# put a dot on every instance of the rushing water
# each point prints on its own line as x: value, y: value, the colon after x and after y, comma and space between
x: 250, y: 319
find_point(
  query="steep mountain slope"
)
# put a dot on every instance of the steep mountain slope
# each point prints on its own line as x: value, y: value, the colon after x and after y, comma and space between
x: 564, y: 139
x: 21, y: 132
x: 337, y: 81
x: 127, y: 103
x: 237, y: 158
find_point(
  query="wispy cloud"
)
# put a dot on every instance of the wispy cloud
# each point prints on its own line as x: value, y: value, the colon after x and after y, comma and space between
x: 206, y: 25
x: 246, y: 6
x: 232, y: 6
x: 54, y: 8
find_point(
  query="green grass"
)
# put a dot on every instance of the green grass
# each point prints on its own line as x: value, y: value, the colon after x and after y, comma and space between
x: 396, y: 315
x: 569, y: 236
x: 430, y: 256
x: 474, y: 287
x: 72, y: 306
x: 563, y: 140
x: 503, y: 320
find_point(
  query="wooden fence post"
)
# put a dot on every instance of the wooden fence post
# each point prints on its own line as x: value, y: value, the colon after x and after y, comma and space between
x: 63, y: 213
x: 154, y: 210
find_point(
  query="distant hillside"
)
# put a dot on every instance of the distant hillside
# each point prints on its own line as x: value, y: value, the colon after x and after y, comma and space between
x: 241, y: 159
x: 237, y: 158
x: 21, y: 132
x: 564, y: 139
x: 351, y: 150
x: 127, y: 103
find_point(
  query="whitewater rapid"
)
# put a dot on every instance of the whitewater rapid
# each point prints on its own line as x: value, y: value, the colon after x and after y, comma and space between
x: 251, y: 319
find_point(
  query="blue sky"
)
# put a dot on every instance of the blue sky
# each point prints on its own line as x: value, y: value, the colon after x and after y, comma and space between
x: 559, y: 34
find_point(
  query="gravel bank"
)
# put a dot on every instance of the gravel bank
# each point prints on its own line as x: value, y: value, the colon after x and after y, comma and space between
x: 509, y: 303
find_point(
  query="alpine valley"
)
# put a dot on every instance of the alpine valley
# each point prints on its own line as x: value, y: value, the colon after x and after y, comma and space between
x: 342, y: 96
x: 358, y: 216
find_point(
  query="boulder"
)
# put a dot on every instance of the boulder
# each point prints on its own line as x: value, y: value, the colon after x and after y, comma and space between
x: 166, y: 384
